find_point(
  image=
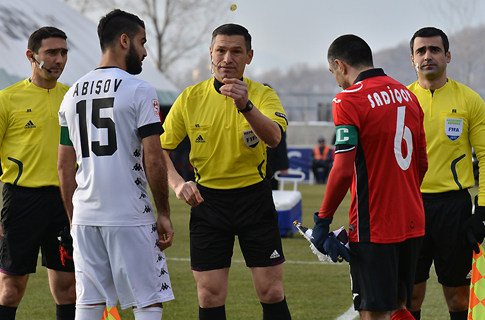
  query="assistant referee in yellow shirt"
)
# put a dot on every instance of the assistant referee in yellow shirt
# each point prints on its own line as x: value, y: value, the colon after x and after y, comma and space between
x: 33, y: 213
x: 454, y: 122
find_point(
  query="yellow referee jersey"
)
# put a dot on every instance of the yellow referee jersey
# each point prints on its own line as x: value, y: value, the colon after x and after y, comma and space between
x: 29, y: 134
x: 454, y: 122
x: 225, y: 152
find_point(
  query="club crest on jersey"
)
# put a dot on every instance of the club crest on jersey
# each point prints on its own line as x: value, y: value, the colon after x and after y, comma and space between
x: 250, y: 138
x: 156, y: 107
x: 453, y: 128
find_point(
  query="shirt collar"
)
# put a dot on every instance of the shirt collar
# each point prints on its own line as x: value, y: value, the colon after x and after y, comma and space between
x: 369, y: 73
x: 218, y: 84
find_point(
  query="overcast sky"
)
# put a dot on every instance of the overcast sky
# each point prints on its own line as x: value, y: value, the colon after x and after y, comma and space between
x: 286, y: 32
x: 289, y: 32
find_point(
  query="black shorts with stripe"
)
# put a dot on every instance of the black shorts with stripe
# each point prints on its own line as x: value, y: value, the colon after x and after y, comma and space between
x: 443, y: 240
x: 248, y: 213
x: 31, y: 219
x: 383, y: 273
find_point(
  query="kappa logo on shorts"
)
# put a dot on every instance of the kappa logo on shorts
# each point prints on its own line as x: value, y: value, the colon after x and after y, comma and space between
x: 274, y: 255
x: 162, y: 272
x: 164, y: 287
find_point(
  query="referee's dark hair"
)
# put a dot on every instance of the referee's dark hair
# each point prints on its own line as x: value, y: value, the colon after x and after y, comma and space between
x: 231, y: 29
x: 427, y: 32
x: 351, y: 49
x: 35, y: 39
x: 116, y: 23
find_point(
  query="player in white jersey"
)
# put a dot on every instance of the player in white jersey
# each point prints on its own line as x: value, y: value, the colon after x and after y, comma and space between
x: 110, y: 127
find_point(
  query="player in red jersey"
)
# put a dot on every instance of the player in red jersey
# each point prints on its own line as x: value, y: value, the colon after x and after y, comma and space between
x: 380, y: 153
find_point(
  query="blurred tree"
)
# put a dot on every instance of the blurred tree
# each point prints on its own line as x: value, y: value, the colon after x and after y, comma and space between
x: 176, y: 26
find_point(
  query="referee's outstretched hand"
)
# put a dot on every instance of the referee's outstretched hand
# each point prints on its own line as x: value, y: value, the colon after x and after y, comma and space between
x: 189, y: 193
x: 165, y: 232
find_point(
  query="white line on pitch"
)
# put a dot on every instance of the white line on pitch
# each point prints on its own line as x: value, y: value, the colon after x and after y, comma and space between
x: 349, y: 314
x: 287, y: 261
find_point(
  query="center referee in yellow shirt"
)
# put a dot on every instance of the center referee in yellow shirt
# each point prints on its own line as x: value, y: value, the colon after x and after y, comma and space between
x: 230, y: 120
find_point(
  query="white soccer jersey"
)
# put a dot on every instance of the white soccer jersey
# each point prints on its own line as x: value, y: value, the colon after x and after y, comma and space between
x: 107, y: 113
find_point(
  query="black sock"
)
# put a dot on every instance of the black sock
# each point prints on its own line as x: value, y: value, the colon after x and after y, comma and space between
x: 7, y: 313
x: 276, y: 311
x: 217, y: 313
x: 460, y: 315
x: 416, y: 314
x: 65, y: 311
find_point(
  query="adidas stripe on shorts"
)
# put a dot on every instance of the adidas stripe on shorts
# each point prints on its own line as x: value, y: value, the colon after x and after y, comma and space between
x: 246, y: 212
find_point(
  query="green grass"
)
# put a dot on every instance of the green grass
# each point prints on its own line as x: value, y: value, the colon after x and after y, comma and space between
x: 313, y: 290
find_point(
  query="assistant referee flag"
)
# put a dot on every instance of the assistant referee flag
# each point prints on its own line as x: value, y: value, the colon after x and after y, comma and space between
x: 111, y: 314
x: 476, y: 309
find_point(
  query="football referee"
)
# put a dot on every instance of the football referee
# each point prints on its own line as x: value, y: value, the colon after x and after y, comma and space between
x: 230, y: 120
x: 454, y: 121
x: 33, y: 213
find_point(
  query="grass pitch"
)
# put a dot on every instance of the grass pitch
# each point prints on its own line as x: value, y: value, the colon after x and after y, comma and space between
x: 313, y: 290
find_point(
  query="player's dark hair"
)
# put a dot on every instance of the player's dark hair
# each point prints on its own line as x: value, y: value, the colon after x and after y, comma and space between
x: 116, y: 23
x: 352, y: 50
x: 35, y: 39
x: 231, y: 29
x: 427, y: 32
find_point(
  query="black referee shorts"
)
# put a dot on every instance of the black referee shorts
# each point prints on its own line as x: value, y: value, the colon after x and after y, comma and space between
x: 32, y: 218
x: 443, y: 240
x: 248, y: 213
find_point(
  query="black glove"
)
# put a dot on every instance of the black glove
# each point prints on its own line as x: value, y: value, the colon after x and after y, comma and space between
x: 65, y: 243
x: 474, y: 227
x: 325, y: 241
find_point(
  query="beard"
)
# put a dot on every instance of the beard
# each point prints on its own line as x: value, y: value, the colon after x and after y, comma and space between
x: 133, y: 62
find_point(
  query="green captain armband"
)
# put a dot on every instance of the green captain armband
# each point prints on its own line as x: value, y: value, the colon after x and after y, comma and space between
x: 65, y: 137
x: 346, y: 135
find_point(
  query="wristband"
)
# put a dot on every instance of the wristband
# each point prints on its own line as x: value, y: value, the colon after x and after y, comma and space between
x: 249, y: 107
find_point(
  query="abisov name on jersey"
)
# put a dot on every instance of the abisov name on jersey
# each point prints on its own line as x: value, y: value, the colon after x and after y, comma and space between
x: 97, y: 87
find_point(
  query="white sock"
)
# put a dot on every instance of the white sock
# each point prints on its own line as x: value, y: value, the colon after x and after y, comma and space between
x: 150, y: 313
x: 86, y: 312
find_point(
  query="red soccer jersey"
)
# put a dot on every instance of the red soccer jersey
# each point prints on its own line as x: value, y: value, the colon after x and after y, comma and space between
x: 386, y: 201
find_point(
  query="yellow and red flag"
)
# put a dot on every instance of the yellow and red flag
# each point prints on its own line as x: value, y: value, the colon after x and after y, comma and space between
x: 476, y: 309
x: 111, y: 314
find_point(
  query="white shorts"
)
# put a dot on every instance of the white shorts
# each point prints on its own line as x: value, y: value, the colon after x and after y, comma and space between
x: 120, y: 263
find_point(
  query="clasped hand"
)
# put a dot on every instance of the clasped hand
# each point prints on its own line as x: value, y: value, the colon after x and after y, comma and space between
x: 326, y: 242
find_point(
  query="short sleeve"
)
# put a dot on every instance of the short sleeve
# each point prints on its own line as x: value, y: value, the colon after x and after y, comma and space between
x: 146, y: 104
x: 174, y: 124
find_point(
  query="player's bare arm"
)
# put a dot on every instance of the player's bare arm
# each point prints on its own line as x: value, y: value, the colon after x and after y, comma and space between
x: 156, y: 172
x: 265, y: 129
x: 66, y: 166
x: 186, y: 191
